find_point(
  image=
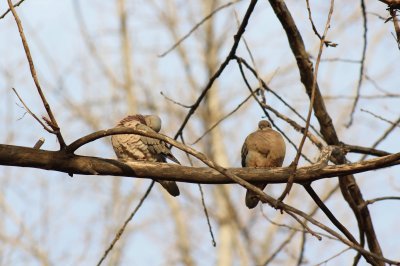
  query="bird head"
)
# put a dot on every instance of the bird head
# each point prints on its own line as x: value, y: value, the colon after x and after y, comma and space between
x: 153, y: 122
x: 264, y: 124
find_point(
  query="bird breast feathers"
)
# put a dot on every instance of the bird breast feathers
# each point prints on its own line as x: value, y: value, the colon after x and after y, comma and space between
x: 266, y: 142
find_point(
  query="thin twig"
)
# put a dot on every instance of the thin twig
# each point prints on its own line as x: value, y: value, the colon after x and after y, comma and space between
x: 230, y: 56
x: 222, y: 119
x: 122, y: 229
x: 253, y: 61
x: 207, y: 216
x: 32, y: 114
x: 363, y: 150
x: 376, y: 85
x: 302, y: 248
x: 311, y: 20
x: 314, y: 84
x: 379, y: 117
x: 53, y: 121
x: 8, y: 10
x: 277, y: 251
x: 296, y: 126
x: 305, y: 226
x: 196, y: 27
x: 368, y: 97
x: 266, y: 87
x: 372, y: 201
x: 362, y: 65
x: 337, y: 59
x: 387, y: 132
x: 334, y: 256
x: 173, y: 101
x: 203, y: 202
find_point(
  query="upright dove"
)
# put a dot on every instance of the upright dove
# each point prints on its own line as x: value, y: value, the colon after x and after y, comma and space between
x: 262, y: 148
x: 140, y: 148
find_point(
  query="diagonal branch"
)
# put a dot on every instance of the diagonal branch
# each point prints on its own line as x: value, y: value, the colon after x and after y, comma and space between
x: 197, y: 26
x: 312, y: 99
x: 347, y: 183
x: 32, y: 114
x: 230, y: 56
x: 8, y: 10
x: 52, y: 122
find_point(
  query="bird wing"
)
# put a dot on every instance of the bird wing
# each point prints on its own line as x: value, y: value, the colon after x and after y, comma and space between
x: 155, y: 146
x: 244, y: 153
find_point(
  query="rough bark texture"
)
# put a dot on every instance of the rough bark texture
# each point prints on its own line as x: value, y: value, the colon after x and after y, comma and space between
x: 85, y: 165
x: 348, y: 185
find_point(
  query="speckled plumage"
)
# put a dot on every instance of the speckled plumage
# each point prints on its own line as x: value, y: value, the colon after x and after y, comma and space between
x: 262, y: 148
x: 140, y: 148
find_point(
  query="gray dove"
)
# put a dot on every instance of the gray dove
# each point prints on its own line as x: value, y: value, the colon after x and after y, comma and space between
x: 135, y: 147
x: 262, y: 148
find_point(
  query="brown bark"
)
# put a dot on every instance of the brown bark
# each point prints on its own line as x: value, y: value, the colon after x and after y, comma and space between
x: 85, y: 165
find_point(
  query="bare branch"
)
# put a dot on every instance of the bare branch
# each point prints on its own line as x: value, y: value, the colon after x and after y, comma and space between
x: 53, y: 124
x: 362, y: 65
x: 223, y: 118
x: 122, y: 229
x: 372, y: 201
x: 173, y: 101
x: 32, y: 114
x: 8, y: 10
x: 348, y: 182
x: 203, y: 203
x: 312, y: 98
x: 267, y: 88
x: 85, y: 165
x: 364, y: 150
x: 230, y: 56
x: 201, y: 22
x: 379, y: 117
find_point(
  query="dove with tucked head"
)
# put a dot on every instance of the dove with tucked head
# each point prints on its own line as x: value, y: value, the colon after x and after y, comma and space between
x: 140, y: 148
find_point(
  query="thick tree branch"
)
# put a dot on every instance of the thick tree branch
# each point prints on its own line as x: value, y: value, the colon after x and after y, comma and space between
x: 348, y: 185
x: 85, y: 165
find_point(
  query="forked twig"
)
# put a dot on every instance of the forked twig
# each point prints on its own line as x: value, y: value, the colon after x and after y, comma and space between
x: 32, y: 114
x: 314, y: 84
x: 53, y: 124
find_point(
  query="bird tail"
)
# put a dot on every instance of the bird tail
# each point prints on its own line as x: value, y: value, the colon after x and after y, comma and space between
x: 172, y: 158
x: 171, y: 187
x: 252, y: 198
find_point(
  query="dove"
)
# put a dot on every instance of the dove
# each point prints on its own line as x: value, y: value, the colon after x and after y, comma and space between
x: 262, y: 148
x: 140, y: 148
